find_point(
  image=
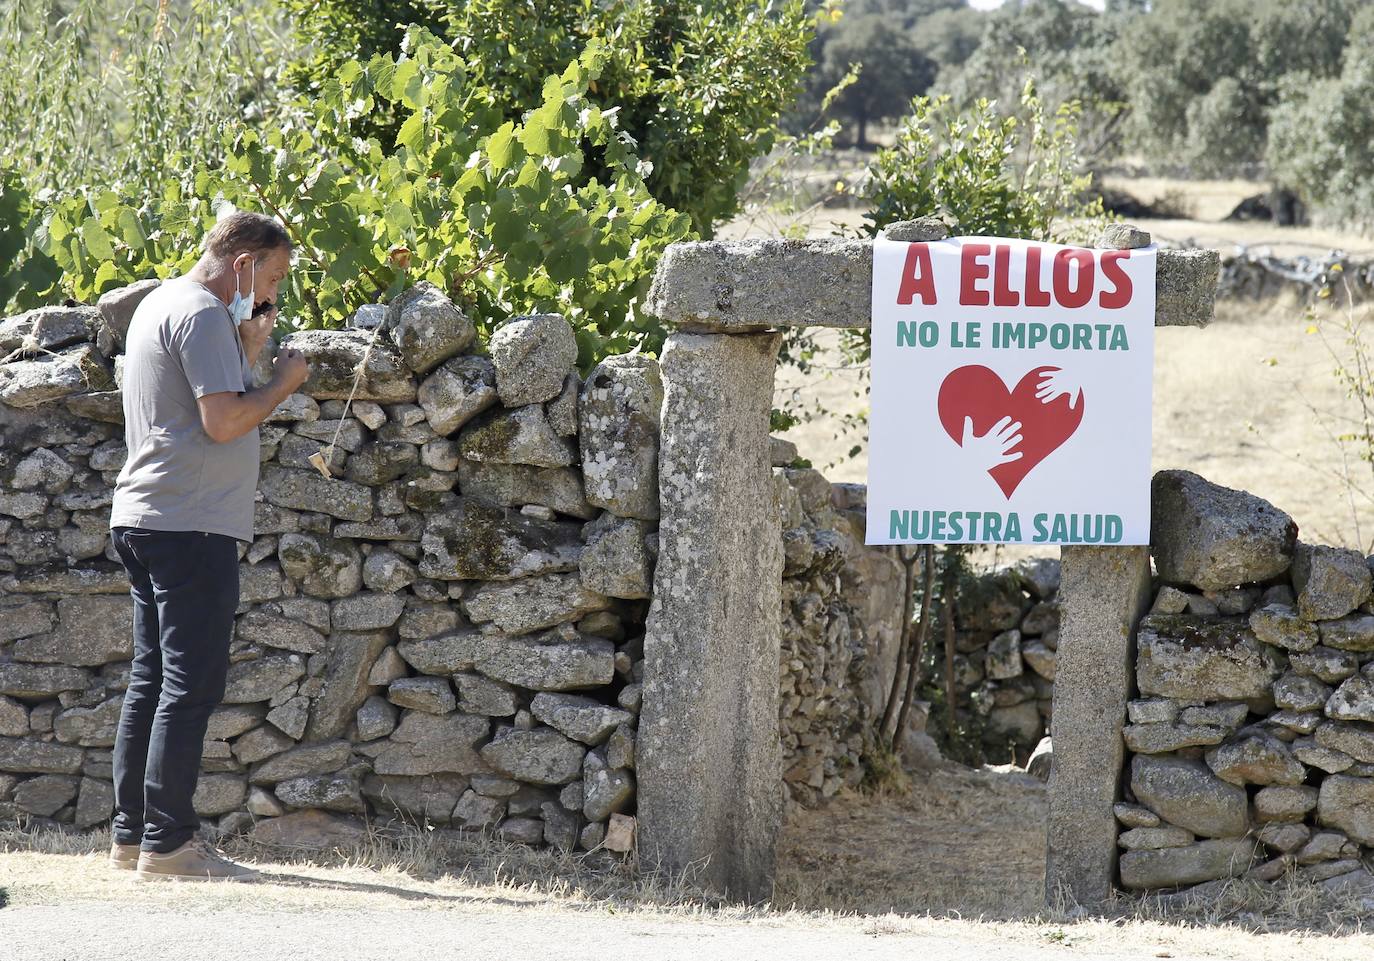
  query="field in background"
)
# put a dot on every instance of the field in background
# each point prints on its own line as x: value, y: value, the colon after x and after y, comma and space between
x: 1207, y: 202
x: 1249, y: 402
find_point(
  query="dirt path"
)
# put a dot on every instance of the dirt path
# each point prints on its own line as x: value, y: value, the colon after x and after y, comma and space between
x: 101, y: 932
x: 978, y: 837
x: 948, y: 871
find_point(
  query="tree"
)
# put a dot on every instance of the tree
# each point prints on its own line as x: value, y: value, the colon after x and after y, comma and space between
x: 1066, y: 47
x: 1321, y: 134
x: 893, y: 70
x: 1202, y: 76
x: 896, y: 55
x: 950, y: 35
x: 699, y: 84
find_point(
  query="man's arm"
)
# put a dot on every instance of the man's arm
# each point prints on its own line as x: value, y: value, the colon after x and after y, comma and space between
x: 228, y: 415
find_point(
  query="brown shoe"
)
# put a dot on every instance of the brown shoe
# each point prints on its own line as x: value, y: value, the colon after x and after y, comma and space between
x: 196, y: 860
x: 123, y: 857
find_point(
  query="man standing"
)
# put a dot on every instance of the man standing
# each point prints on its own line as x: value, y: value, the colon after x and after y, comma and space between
x: 182, y: 501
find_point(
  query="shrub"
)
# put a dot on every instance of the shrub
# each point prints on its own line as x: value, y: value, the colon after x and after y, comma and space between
x: 984, y: 173
x: 504, y: 216
x: 699, y: 85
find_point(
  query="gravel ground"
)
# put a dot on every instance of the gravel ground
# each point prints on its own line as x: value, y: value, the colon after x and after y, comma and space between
x: 103, y: 932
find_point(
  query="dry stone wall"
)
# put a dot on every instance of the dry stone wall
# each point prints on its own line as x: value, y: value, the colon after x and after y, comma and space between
x: 1251, y: 740
x: 1007, y: 642
x: 841, y: 614
x: 1255, y: 275
x: 450, y: 629
x: 830, y: 648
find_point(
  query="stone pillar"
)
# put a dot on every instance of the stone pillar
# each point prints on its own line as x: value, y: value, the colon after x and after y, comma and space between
x: 709, y: 758
x: 1103, y: 593
x: 1102, y: 596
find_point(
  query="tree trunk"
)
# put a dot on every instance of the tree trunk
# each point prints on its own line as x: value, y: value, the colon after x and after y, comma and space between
x: 898, y: 673
x: 951, y: 585
x: 918, y: 646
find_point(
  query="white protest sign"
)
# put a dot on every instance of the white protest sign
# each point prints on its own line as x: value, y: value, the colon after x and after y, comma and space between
x: 1011, y: 393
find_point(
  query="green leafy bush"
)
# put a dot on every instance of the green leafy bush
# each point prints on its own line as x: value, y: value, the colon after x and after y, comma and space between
x: 985, y: 173
x: 503, y: 215
x: 699, y: 85
x: 894, y: 68
x: 102, y: 100
x: 23, y: 265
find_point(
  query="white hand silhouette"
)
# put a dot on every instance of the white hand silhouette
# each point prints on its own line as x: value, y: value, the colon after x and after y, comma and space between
x: 1057, y: 383
x: 993, y: 448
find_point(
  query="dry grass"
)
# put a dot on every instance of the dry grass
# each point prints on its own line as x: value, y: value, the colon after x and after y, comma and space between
x: 429, y: 862
x: 862, y: 853
x: 1251, y: 402
x: 969, y: 845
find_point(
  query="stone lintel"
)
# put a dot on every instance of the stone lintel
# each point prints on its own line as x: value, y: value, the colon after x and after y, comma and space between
x: 742, y: 285
x: 709, y: 757
x: 1103, y: 593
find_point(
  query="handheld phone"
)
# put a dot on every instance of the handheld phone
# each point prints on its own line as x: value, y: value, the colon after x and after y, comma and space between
x: 263, y: 308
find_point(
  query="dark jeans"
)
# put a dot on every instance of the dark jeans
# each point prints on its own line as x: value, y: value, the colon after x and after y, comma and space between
x: 185, y: 586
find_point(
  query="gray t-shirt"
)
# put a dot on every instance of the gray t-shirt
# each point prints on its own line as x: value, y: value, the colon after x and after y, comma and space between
x: 182, y: 344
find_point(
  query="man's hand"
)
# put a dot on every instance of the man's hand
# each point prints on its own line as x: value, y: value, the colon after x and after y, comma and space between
x: 229, y: 415
x: 254, y: 332
x: 290, y: 369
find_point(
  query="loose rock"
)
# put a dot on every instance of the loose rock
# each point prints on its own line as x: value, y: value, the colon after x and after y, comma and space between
x: 1203, y: 861
x: 539, y: 756
x: 1215, y: 659
x: 1256, y: 760
x: 427, y: 328
x: 1213, y: 537
x: 1347, y: 804
x: 533, y: 603
x: 1279, y: 624
x: 618, y: 428
x: 580, y: 718
x: 457, y: 392
x: 520, y: 436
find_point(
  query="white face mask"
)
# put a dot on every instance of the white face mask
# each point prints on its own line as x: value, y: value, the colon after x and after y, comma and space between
x: 241, y: 307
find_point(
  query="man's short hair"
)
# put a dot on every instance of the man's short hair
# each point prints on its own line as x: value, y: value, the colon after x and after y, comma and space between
x: 246, y: 232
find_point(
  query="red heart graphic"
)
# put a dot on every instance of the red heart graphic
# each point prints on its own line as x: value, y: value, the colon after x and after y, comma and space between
x: 978, y: 392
